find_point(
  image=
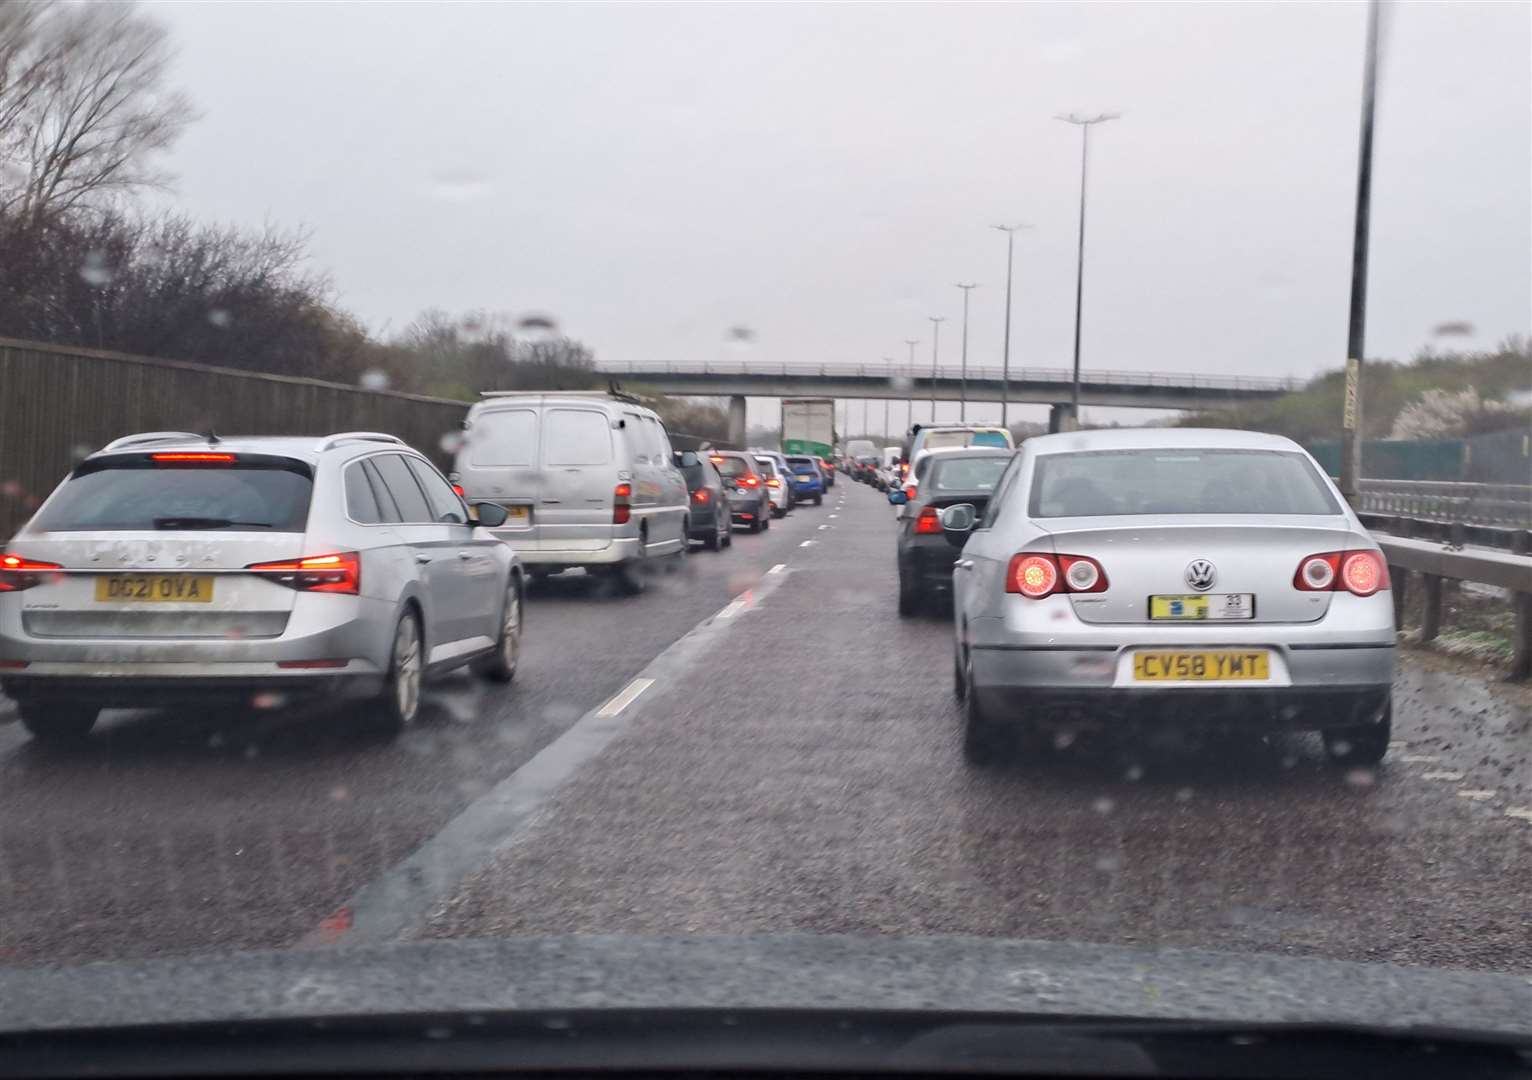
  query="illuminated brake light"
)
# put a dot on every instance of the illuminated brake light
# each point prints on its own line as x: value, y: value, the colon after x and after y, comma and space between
x: 715, y: 459
x: 701, y: 495
x: 199, y: 458
x: 928, y: 521
x: 457, y: 490
x: 17, y: 573
x: 774, y: 482
x: 1360, y: 573
x: 751, y: 481
x: 1036, y: 575
x: 622, y: 510
x: 340, y: 573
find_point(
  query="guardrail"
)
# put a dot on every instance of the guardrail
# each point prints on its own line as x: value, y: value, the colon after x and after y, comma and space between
x: 1248, y: 383
x: 1503, y: 505
x: 1436, y: 563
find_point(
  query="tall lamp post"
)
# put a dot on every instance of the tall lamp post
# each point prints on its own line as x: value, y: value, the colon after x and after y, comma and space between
x: 1351, y: 416
x: 1005, y: 363
x: 891, y: 362
x: 936, y: 338
x: 910, y: 395
x: 1084, y: 123
x: 963, y: 384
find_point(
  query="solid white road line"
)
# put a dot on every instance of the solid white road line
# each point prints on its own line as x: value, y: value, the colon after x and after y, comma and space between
x: 627, y: 697
x: 732, y: 608
x: 1520, y: 813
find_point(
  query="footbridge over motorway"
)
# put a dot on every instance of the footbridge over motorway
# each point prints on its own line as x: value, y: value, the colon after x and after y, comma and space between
x: 1046, y: 386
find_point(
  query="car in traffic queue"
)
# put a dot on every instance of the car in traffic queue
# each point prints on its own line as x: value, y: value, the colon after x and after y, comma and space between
x: 827, y: 470
x: 587, y: 478
x: 861, y: 458
x: 1176, y: 578
x: 888, y: 473
x: 749, y: 497
x: 923, y: 553
x: 711, y: 519
x: 778, y: 489
x: 173, y: 568
x: 807, y: 479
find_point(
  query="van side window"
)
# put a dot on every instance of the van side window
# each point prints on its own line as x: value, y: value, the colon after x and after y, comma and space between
x: 661, y: 441
x: 637, y: 438
x: 503, y: 437
x: 361, y: 503
x: 401, y: 484
x: 576, y: 437
x: 445, y: 505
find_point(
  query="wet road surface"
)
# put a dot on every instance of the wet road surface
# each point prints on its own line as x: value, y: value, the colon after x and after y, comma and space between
x: 798, y: 769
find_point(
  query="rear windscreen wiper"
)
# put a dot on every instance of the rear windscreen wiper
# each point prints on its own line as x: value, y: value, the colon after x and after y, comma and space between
x: 207, y: 523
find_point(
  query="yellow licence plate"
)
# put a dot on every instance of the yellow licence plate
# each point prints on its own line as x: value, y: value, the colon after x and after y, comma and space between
x: 1207, y: 665
x: 154, y: 589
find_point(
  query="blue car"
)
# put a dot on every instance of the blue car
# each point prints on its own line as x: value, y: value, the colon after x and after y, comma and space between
x: 808, y: 480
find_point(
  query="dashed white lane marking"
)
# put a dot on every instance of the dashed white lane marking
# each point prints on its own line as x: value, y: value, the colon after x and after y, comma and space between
x: 808, y: 543
x: 1520, y: 813
x: 1419, y: 759
x: 1476, y: 794
x: 777, y: 569
x: 627, y: 697
x: 732, y: 608
x: 822, y: 528
x: 835, y: 515
x: 1442, y: 774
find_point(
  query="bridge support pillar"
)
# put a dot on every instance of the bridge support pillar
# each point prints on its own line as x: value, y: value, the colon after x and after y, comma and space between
x: 1061, y: 417
x: 737, y: 420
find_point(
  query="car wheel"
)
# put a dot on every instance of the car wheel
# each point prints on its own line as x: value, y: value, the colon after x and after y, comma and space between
x: 713, y: 541
x: 399, y: 701
x: 959, y: 683
x: 982, y: 742
x: 1365, y: 744
x: 632, y: 576
x: 500, y: 665
x: 819, y: 500
x: 765, y: 517
x: 728, y: 534
x: 909, y: 596
x: 60, y: 724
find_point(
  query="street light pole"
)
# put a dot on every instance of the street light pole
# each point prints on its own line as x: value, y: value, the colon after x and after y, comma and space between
x: 1084, y: 123
x: 1351, y: 416
x: 963, y: 385
x: 1005, y: 363
x: 890, y: 361
x: 936, y: 338
x: 909, y: 397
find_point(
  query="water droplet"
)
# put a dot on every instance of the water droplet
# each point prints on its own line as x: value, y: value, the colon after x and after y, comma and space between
x: 340, y: 793
x: 1184, y: 794
x: 1135, y: 772
x: 451, y: 442
x: 373, y: 379
x: 220, y: 317
x: 252, y: 752
x: 94, y: 271
x: 1103, y: 805
x: 1063, y: 740
x: 438, y: 1033
x: 557, y: 1023
x: 11, y: 488
x: 268, y: 700
x: 537, y: 328
x: 1361, y: 778
x: 1109, y: 864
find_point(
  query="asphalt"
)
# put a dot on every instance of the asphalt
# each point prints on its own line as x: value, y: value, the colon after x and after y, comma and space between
x: 794, y: 768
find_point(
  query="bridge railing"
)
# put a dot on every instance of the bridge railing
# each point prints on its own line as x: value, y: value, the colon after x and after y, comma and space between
x: 901, y: 373
x: 1507, y: 505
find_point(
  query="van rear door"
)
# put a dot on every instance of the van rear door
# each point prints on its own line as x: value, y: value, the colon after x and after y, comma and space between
x: 499, y: 462
x: 578, y: 479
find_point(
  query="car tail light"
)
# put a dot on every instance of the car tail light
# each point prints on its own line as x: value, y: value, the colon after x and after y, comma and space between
x: 340, y: 573
x: 774, y: 482
x: 17, y: 573
x: 701, y: 495
x: 622, y: 508
x: 928, y: 521
x: 751, y: 480
x: 197, y: 458
x: 1036, y: 574
x: 1360, y: 573
x: 458, y: 491
x: 904, y: 468
x: 13, y: 665
x: 909, y: 491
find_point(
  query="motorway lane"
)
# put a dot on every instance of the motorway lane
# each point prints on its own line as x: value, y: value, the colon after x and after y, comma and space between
x: 183, y: 832
x: 822, y: 788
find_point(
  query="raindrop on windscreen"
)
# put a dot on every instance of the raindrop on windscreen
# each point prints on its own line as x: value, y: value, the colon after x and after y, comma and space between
x: 220, y: 317
x: 438, y: 1033
x: 451, y: 442
x: 1184, y: 794
x: 81, y: 451
x: 1134, y: 772
x: 557, y: 1023
x: 373, y: 379
x: 268, y: 700
x: 1103, y: 805
x: 1361, y: 778
x: 94, y: 271
x: 459, y: 186
x: 11, y: 488
x: 340, y: 793
x: 902, y: 383
x: 1109, y: 864
x: 537, y: 328
x: 740, y: 335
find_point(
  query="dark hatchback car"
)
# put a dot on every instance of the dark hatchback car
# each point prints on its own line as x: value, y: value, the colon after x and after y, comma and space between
x: 709, y: 498
x: 749, y: 500
x: 807, y: 479
x: 925, y: 555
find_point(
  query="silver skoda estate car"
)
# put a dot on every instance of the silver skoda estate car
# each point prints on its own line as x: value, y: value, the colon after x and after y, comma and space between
x: 171, y: 567
x: 1170, y: 577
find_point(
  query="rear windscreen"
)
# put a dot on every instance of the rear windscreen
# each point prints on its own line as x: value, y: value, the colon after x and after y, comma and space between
x: 767, y: 467
x: 968, y: 474
x: 147, y: 497
x: 937, y: 439
x: 1109, y: 483
x: 803, y: 465
x: 732, y: 467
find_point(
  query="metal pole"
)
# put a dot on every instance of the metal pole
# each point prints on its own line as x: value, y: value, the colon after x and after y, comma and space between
x: 1005, y: 369
x: 891, y: 362
x: 866, y: 427
x: 1351, y: 416
x: 936, y: 338
x: 1084, y: 123
x: 910, y: 396
x: 963, y: 385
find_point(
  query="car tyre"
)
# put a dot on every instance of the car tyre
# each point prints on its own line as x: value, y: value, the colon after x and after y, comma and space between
x: 983, y: 744
x: 819, y: 500
x: 398, y: 703
x: 1364, y: 744
x: 58, y: 724
x: 909, y: 597
x: 714, y: 540
x: 500, y: 665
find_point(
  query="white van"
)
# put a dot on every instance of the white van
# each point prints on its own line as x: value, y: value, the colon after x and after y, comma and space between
x: 586, y: 478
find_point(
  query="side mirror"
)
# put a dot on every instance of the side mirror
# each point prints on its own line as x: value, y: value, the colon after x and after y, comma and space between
x: 489, y: 515
x: 959, y: 519
x: 687, y: 458
x: 897, y: 497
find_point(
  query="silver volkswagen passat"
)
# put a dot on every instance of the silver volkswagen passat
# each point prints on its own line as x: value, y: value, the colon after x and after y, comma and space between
x: 1170, y: 577
x: 171, y: 567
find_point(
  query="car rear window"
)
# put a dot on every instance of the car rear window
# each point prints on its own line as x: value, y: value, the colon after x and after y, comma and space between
x: 937, y: 439
x: 143, y: 496
x: 803, y: 464
x: 733, y: 466
x: 1109, y: 483
x: 768, y: 467
x: 968, y: 474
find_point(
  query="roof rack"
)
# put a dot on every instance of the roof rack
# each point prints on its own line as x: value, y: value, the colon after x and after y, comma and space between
x: 329, y: 442
x: 613, y: 391
x: 150, y: 437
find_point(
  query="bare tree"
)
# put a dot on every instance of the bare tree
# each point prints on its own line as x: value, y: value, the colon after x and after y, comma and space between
x: 83, y: 105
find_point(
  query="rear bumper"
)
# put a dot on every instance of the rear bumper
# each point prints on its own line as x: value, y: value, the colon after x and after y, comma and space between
x: 930, y: 563
x: 142, y: 685
x: 614, y: 551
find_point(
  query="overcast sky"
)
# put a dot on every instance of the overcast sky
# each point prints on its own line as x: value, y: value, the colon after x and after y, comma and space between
x: 653, y: 175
